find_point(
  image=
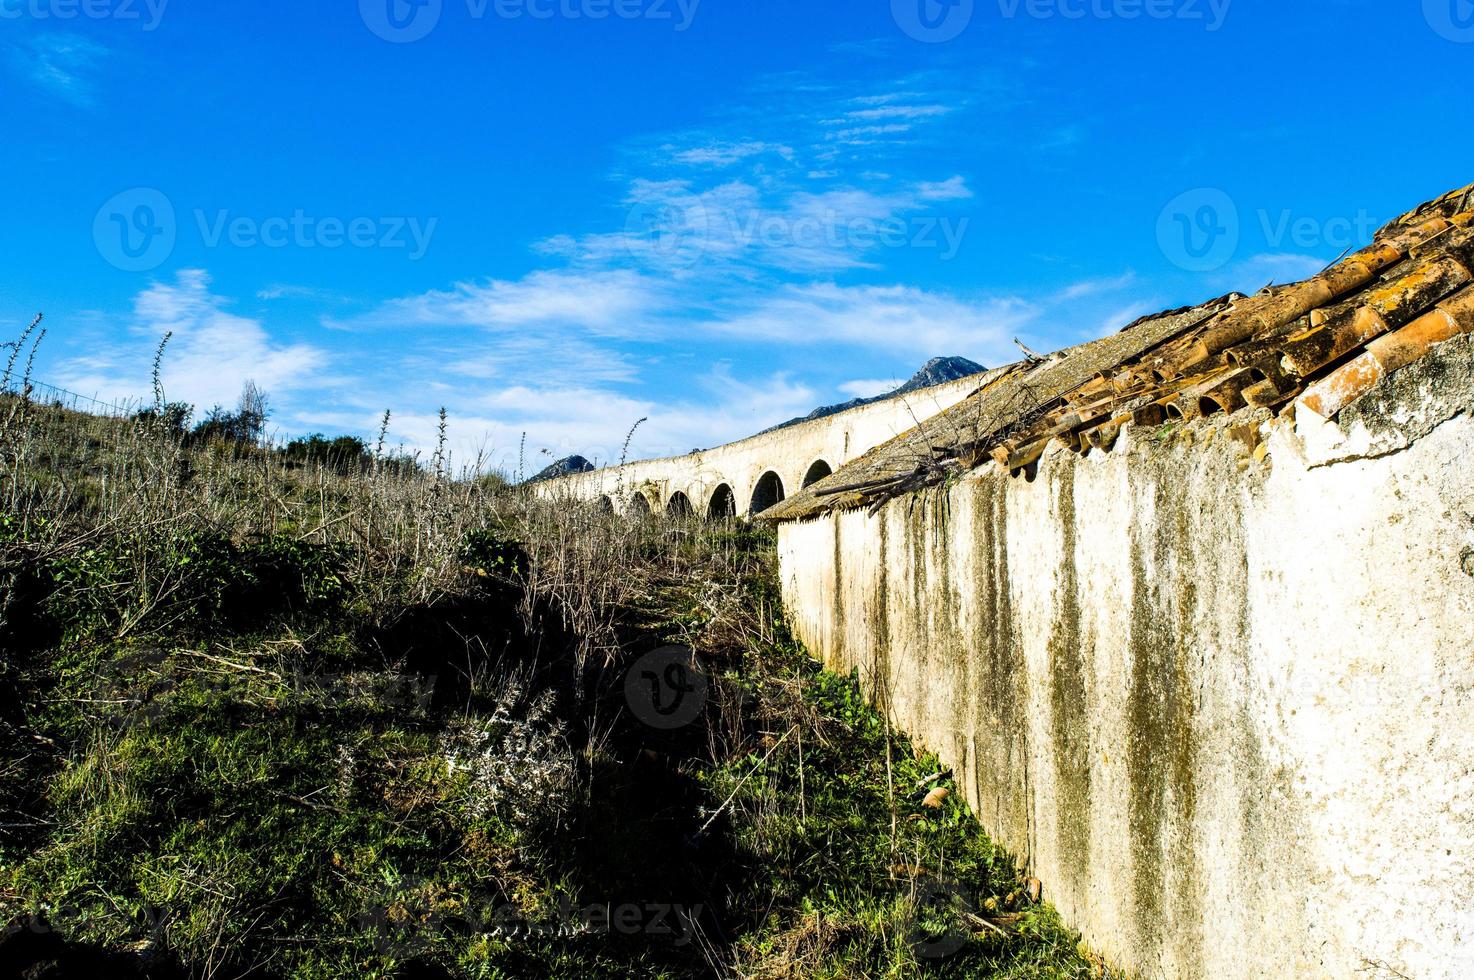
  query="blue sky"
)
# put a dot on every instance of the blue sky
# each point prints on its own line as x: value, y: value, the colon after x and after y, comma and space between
x: 558, y: 216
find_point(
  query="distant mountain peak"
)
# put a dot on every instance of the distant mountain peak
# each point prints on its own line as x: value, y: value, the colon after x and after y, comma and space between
x: 564, y: 467
x: 938, y: 370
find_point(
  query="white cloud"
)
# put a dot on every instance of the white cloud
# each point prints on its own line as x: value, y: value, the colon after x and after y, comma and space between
x: 863, y: 135
x: 288, y: 291
x: 211, y: 354
x: 900, y: 112
x: 1092, y: 287
x: 869, y: 388
x: 551, y: 357
x: 726, y: 154
x: 898, y: 319
x: 951, y: 189
x: 738, y: 228
x: 608, y: 302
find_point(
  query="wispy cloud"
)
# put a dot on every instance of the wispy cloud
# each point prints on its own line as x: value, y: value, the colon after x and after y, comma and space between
x: 63, y: 65
x: 895, y: 319
x: 899, y: 112
x: 1094, y: 287
x: 951, y: 189
x: 604, y: 302
x: 684, y: 230
x: 554, y: 358
x: 726, y: 154
x: 288, y: 291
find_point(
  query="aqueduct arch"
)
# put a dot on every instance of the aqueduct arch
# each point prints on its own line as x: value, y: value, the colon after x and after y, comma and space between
x: 818, y: 471
x: 723, y: 504
x: 750, y: 475
x: 767, y: 492
x: 679, y: 506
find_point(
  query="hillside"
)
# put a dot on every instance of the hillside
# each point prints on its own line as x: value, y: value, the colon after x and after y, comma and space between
x: 269, y: 719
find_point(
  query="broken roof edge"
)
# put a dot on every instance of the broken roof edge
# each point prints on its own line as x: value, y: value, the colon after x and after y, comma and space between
x: 1320, y: 344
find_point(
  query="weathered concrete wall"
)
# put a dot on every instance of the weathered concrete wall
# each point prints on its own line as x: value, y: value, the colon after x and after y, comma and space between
x: 1224, y: 708
x: 789, y: 452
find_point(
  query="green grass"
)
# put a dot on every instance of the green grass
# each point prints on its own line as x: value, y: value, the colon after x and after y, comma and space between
x: 400, y: 747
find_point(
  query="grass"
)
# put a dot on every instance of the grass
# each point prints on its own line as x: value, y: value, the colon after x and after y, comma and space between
x: 263, y: 718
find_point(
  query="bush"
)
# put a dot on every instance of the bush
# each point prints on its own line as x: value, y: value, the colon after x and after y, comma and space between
x: 172, y: 418
x: 345, y: 455
x: 197, y: 581
x: 234, y: 428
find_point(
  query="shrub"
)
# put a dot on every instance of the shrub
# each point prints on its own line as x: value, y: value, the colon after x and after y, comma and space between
x: 345, y: 455
x: 171, y: 419
x: 236, y: 428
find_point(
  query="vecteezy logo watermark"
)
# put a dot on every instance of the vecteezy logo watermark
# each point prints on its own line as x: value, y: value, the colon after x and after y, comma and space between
x: 1452, y: 19
x: 664, y: 688
x: 672, y: 232
x: 149, y: 12
x: 136, y: 231
x: 1199, y: 230
x: 932, y: 21
x: 400, y: 21
x: 403, y: 21
x: 936, y: 931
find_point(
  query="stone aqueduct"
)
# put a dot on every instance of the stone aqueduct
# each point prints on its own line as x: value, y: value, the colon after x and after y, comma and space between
x: 745, y: 478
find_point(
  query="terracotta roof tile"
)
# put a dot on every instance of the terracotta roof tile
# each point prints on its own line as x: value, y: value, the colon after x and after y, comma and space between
x: 1319, y: 345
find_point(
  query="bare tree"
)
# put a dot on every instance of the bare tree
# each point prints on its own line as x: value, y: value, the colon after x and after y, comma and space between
x: 252, y: 410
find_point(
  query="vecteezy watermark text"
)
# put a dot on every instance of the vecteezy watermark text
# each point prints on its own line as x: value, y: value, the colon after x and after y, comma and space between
x: 833, y: 230
x: 137, y: 230
x: 937, y: 21
x: 1210, y: 13
x: 150, y: 13
x: 301, y: 230
x: 681, y: 231
x: 405, y: 21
